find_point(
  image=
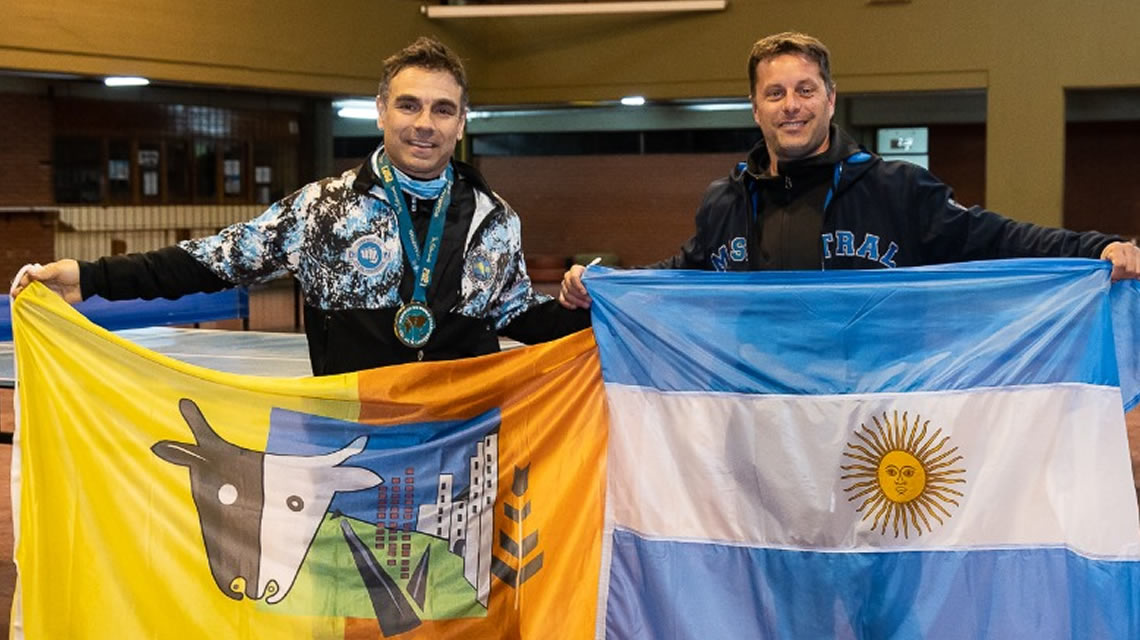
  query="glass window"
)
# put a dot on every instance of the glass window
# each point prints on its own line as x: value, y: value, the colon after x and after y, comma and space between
x: 205, y: 170
x: 76, y: 170
x: 177, y: 171
x: 266, y: 174
x: 173, y: 154
x: 150, y: 171
x: 119, y: 170
x: 233, y: 170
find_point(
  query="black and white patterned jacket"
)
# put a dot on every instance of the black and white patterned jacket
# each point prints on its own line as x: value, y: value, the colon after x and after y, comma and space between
x: 339, y: 237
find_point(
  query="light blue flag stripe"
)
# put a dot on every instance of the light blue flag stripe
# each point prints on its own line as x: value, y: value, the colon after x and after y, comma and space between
x: 983, y: 324
x: 1126, y: 330
x: 678, y: 590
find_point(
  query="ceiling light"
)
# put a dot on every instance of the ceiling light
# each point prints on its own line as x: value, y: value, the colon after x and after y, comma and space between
x: 571, y: 8
x: 358, y: 113
x: 357, y: 109
x: 125, y: 81
x: 719, y: 106
x: 633, y: 101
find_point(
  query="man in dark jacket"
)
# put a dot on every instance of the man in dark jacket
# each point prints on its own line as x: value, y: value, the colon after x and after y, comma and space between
x: 809, y: 197
x: 408, y: 257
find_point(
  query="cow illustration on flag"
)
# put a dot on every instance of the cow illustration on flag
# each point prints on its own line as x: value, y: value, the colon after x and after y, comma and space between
x: 927, y: 453
x: 263, y: 514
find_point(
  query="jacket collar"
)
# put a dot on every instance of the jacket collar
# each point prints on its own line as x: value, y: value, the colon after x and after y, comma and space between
x: 366, y: 179
x: 843, y: 150
x: 486, y: 201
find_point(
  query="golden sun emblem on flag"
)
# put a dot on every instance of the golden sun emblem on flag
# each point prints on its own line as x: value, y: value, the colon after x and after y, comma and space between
x: 907, y: 475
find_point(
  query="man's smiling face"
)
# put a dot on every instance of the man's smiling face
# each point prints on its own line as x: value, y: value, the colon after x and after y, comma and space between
x: 422, y: 117
x: 792, y: 106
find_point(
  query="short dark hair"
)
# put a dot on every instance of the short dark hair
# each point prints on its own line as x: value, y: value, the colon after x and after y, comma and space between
x: 425, y: 53
x: 795, y: 43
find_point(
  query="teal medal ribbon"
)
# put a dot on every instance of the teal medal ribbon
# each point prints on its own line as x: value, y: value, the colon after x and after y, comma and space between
x: 414, y: 321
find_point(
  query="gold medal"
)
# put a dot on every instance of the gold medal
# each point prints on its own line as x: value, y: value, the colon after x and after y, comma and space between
x: 414, y: 324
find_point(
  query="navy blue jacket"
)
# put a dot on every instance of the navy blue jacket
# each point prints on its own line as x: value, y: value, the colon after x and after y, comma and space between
x: 877, y: 213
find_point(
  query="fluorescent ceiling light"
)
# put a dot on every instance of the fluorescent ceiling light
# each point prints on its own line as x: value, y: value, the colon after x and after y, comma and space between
x: 357, y: 109
x: 501, y: 112
x: 720, y: 106
x: 358, y: 113
x: 125, y: 81
x: 571, y: 8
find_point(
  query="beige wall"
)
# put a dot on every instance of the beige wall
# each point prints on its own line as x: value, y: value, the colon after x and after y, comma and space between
x: 321, y: 47
x: 1024, y: 52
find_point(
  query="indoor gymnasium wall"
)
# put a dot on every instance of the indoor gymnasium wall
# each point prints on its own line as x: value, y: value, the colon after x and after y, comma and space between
x: 1025, y: 53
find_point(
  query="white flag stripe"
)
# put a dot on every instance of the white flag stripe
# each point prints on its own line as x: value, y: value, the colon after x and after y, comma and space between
x: 766, y: 470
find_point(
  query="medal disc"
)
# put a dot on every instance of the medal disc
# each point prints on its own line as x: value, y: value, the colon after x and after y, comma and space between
x: 414, y: 324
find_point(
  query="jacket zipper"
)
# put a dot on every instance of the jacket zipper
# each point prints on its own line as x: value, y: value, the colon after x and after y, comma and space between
x: 832, y: 192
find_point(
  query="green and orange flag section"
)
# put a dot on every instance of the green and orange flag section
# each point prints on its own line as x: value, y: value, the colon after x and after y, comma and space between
x: 156, y: 499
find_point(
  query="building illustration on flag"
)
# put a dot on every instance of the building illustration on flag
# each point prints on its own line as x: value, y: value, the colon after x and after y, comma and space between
x: 264, y: 513
x: 933, y: 453
x: 465, y: 521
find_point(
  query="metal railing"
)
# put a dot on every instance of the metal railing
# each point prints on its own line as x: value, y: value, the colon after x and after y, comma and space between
x: 89, y: 232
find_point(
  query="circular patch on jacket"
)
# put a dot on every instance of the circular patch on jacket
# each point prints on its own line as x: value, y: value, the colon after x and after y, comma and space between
x: 480, y: 267
x: 368, y: 256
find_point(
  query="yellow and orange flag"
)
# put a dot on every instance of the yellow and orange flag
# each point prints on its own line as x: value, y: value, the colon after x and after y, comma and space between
x: 156, y: 499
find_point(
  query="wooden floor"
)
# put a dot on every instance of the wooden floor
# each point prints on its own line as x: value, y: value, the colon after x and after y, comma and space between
x: 8, y: 569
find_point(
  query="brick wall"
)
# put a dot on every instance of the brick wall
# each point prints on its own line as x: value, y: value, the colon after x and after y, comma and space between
x: 639, y: 207
x: 25, y: 181
x: 25, y: 151
x: 25, y: 236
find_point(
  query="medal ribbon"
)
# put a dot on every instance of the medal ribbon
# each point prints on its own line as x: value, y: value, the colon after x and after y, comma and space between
x: 421, y: 262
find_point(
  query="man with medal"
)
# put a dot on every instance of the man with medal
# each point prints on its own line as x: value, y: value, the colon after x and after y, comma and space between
x: 410, y: 256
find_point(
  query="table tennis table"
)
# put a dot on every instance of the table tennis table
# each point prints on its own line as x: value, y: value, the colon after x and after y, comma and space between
x: 257, y: 353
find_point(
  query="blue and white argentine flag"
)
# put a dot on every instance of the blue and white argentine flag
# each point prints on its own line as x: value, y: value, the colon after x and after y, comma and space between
x: 926, y: 453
